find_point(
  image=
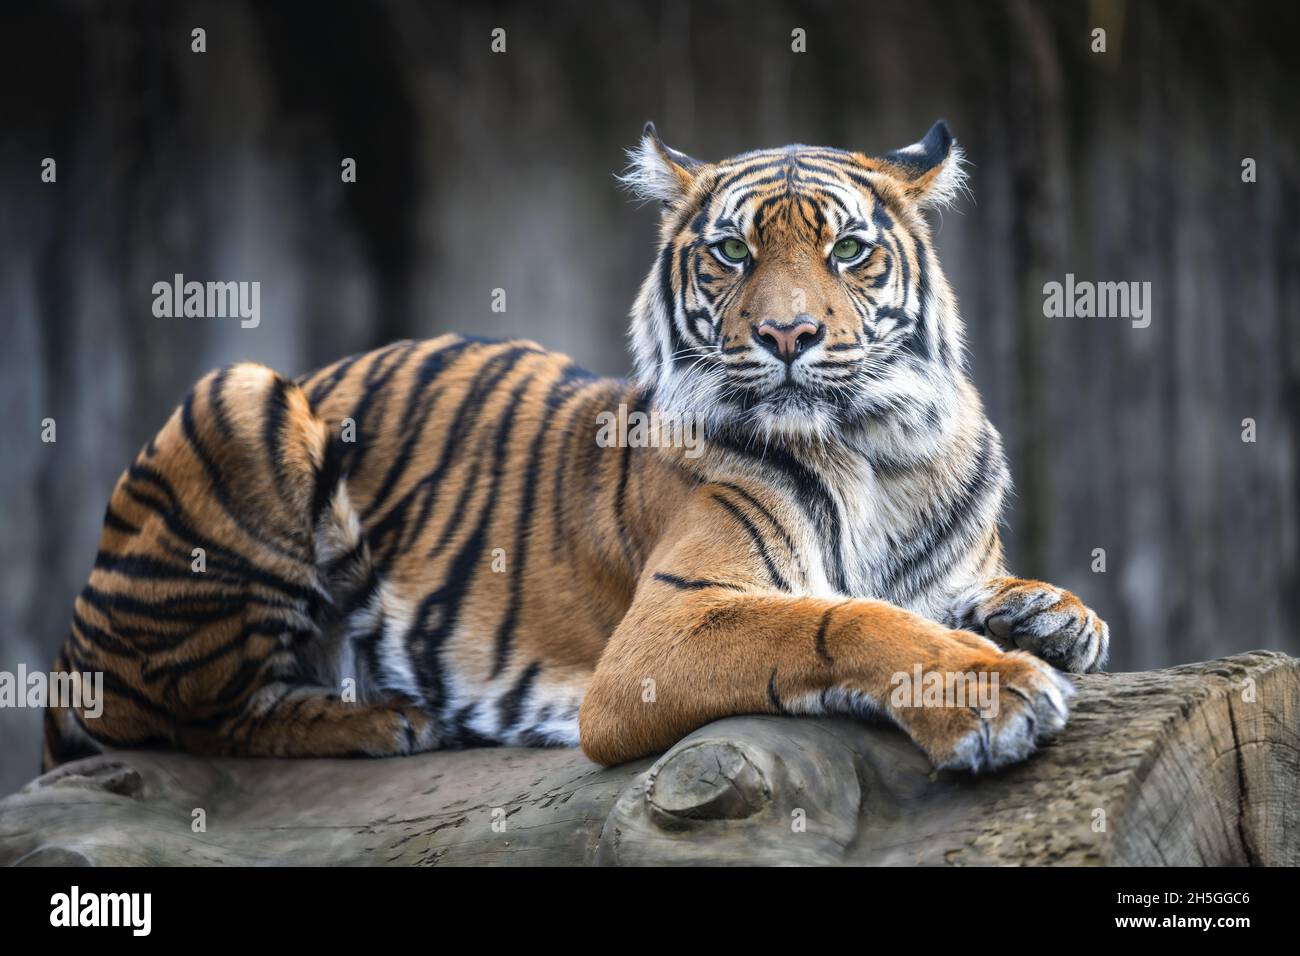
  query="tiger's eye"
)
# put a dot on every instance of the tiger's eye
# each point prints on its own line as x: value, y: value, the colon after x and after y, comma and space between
x: 735, y: 250
x: 847, y: 248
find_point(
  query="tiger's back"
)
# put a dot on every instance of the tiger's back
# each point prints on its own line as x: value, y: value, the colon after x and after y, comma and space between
x: 431, y: 522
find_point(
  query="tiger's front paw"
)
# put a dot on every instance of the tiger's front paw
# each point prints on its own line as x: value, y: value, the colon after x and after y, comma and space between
x: 1044, y: 620
x: 1015, y: 703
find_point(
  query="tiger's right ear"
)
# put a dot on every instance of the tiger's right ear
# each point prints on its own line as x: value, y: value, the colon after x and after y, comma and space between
x: 657, y: 172
x: 931, y: 172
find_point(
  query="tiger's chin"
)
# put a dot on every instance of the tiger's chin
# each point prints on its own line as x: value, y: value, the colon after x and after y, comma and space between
x: 795, y: 416
x: 788, y: 414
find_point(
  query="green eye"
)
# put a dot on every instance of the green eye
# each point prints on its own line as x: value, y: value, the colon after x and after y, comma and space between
x: 846, y: 249
x: 734, y: 250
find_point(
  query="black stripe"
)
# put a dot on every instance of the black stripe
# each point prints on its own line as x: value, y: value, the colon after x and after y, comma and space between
x: 767, y: 513
x: 773, y: 697
x: 620, y: 491
x: 494, y: 464
x: 511, y: 706
x: 101, y: 639
x: 115, y: 521
x: 426, y: 375
x: 917, y: 556
x: 114, y: 685
x: 461, y: 734
x: 676, y: 343
x: 694, y: 584
x: 274, y: 410
x: 374, y: 383
x: 425, y: 640
x: 778, y: 162
x: 219, y: 557
x: 336, y: 373
x: 175, y: 670
x: 178, y: 609
x: 819, y: 642
x: 238, y: 686
x: 919, y: 343
x: 328, y: 476
x: 620, y: 502
x: 561, y: 389
x: 217, y: 401
x: 577, y: 418
x: 396, y: 530
x: 141, y: 567
x: 810, y: 492
x: 773, y: 572
x: 218, y: 482
x: 683, y: 286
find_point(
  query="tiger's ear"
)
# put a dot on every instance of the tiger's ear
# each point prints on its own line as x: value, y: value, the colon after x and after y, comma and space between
x: 930, y: 171
x: 657, y: 172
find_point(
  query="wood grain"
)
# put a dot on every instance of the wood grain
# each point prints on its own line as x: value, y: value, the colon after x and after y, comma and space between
x: 1198, y: 764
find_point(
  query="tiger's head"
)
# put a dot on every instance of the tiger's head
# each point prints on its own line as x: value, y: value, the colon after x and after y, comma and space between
x: 796, y: 293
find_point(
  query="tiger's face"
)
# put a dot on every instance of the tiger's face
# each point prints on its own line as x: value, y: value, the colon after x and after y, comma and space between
x: 795, y: 292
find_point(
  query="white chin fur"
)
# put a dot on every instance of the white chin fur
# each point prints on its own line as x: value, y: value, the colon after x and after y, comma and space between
x: 791, y: 422
x: 693, y: 397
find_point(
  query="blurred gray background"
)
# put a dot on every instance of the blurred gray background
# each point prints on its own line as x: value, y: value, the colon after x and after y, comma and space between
x: 479, y: 171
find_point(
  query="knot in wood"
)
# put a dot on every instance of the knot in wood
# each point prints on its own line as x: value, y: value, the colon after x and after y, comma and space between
x: 711, y: 780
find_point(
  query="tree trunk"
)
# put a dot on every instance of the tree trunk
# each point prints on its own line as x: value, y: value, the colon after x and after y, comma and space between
x: 1198, y: 764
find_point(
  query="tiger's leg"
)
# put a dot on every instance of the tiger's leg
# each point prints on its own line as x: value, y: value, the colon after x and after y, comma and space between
x: 708, y: 635
x: 292, y: 718
x: 229, y: 565
x: 299, y: 720
x: 1034, y: 616
x: 279, y: 720
x: 712, y: 655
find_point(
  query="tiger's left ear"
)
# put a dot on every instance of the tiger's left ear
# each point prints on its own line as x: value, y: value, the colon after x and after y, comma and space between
x: 930, y: 171
x: 658, y: 172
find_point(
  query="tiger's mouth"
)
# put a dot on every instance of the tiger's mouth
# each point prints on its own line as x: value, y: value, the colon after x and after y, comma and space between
x: 796, y: 406
x: 794, y: 402
x: 790, y: 391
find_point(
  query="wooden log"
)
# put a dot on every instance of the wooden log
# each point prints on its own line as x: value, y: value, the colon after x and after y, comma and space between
x: 1198, y: 764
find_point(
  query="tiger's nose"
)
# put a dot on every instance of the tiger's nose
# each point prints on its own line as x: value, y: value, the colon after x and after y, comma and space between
x: 787, y: 341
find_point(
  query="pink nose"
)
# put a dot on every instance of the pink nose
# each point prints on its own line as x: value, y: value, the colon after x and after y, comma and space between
x: 787, y: 341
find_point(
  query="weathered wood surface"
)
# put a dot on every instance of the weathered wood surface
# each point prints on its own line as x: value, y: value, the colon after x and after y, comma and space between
x: 1198, y: 764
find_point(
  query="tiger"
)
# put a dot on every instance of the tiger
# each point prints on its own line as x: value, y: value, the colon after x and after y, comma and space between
x: 429, y: 546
